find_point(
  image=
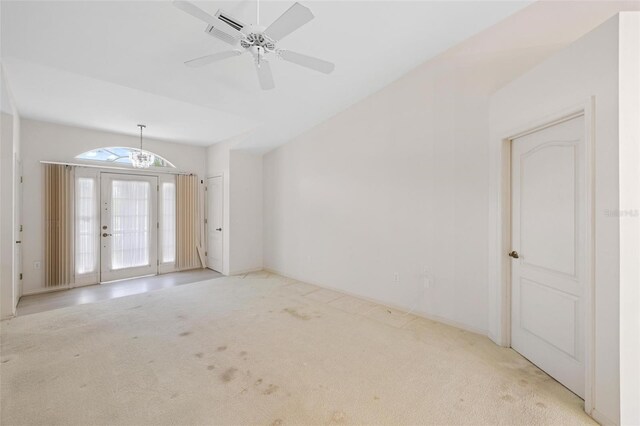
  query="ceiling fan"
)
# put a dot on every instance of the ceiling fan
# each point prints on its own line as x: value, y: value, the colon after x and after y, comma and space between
x: 261, y: 42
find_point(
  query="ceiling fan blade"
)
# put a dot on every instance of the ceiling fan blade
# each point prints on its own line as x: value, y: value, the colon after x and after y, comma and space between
x: 195, y: 11
x: 209, y: 59
x: 265, y: 77
x: 294, y: 17
x: 307, y: 61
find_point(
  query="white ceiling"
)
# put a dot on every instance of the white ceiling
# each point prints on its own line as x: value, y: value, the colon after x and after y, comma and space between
x: 110, y: 65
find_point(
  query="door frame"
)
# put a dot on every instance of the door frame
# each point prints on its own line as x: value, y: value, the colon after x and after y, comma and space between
x: 206, y: 215
x: 500, y: 232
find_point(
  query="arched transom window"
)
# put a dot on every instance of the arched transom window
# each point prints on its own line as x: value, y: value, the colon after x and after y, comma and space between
x: 120, y: 155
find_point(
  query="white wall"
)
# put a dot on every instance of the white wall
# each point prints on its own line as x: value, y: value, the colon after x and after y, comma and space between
x: 54, y: 142
x: 242, y: 209
x: 589, y: 67
x: 245, y: 215
x: 398, y: 183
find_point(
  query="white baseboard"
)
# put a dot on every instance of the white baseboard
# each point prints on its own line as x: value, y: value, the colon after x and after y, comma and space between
x: 436, y: 318
x: 602, y: 419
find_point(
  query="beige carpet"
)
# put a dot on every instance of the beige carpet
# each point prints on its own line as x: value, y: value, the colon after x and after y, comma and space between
x: 263, y: 350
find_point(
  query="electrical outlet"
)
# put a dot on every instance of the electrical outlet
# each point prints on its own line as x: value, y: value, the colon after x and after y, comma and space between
x: 36, y: 264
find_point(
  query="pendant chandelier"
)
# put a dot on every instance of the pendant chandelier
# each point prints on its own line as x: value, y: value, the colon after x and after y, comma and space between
x: 141, y: 159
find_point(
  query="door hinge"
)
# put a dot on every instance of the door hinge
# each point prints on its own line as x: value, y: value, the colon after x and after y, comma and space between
x: 205, y: 221
x: 20, y: 228
x: 158, y: 225
x: 206, y: 253
x: 20, y: 179
x: 20, y: 275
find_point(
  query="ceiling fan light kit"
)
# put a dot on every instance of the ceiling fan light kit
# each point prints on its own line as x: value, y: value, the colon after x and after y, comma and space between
x: 260, y: 42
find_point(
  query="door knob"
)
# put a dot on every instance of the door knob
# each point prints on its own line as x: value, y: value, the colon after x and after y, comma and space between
x: 514, y: 254
x: 106, y: 235
x: 218, y: 229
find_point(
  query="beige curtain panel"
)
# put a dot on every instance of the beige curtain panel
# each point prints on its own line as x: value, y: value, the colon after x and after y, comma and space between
x: 188, y: 218
x: 58, y: 216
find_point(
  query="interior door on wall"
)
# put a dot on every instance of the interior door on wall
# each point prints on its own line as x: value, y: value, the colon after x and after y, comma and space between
x: 214, y: 223
x: 17, y: 213
x: 129, y: 226
x: 548, y: 235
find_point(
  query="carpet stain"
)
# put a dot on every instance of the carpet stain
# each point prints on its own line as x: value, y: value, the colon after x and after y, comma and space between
x: 258, y: 382
x: 221, y: 348
x: 185, y: 333
x: 211, y: 367
x: 523, y: 382
x: 338, y: 417
x: 4, y: 361
x: 294, y: 313
x: 199, y: 355
x: 228, y: 375
x: 271, y: 389
x: 541, y: 405
x: 507, y: 398
x: 276, y: 422
x: 376, y: 397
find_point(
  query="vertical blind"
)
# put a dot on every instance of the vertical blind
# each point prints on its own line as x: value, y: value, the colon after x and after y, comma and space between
x: 58, y: 217
x: 188, y: 220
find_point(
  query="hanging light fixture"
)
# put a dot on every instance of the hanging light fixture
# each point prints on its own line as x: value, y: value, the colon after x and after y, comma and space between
x: 141, y: 159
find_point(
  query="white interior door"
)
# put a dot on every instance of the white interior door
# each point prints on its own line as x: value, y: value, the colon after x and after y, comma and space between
x: 17, y: 214
x: 548, y: 233
x: 214, y: 223
x: 129, y: 226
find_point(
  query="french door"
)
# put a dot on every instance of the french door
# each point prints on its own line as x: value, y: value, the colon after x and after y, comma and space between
x: 128, y: 226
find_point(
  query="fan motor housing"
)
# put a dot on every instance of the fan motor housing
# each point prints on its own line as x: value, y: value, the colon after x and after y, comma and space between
x: 256, y: 38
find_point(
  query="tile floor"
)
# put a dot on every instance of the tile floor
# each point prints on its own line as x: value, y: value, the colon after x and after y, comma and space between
x: 95, y: 293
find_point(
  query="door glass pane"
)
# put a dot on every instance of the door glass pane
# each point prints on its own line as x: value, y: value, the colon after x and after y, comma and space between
x: 86, y: 226
x: 130, y: 223
x: 168, y: 222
